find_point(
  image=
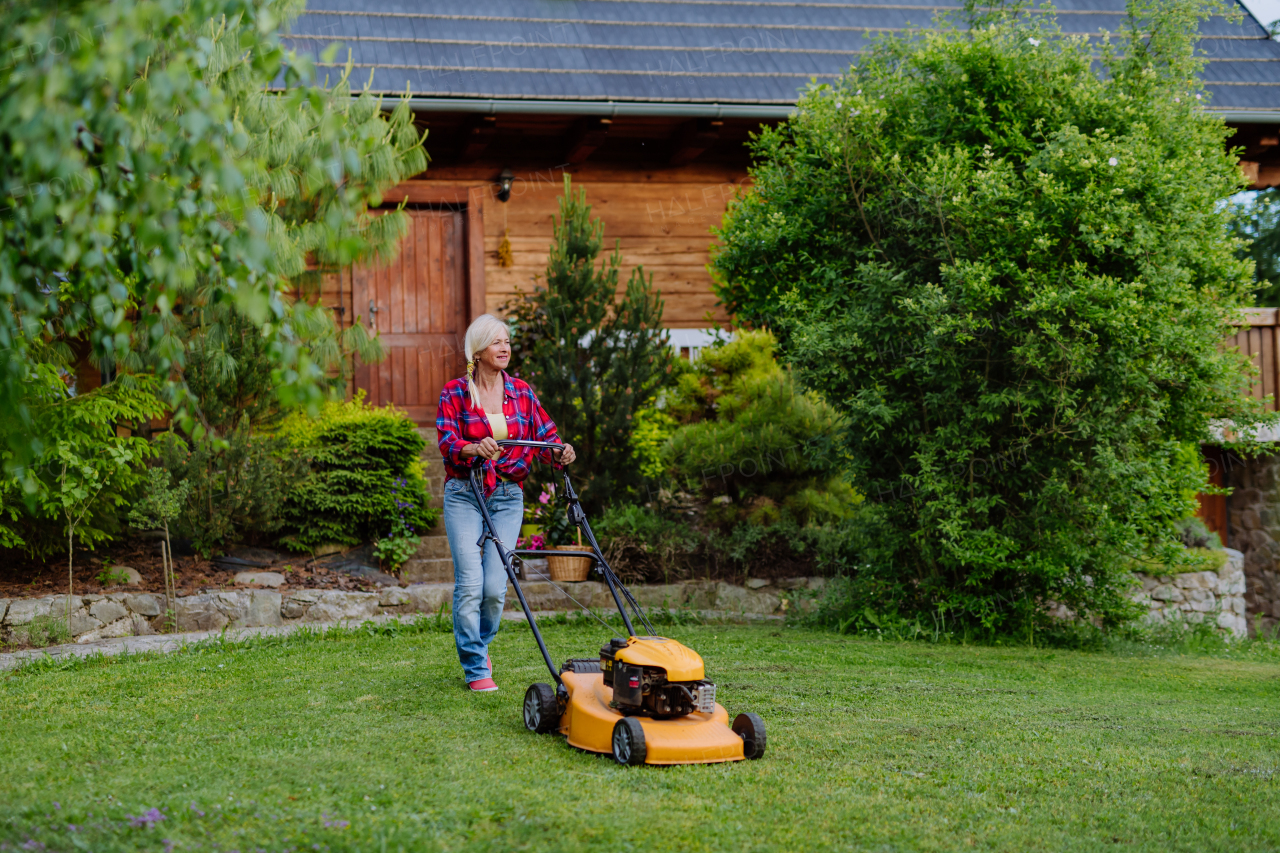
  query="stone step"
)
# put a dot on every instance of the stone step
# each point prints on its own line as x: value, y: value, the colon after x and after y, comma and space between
x: 428, y: 571
x: 434, y: 548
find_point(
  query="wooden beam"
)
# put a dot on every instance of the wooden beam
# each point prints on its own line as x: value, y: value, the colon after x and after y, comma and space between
x: 588, y: 134
x: 693, y: 138
x: 475, y: 248
x: 423, y: 192
x: 477, y: 133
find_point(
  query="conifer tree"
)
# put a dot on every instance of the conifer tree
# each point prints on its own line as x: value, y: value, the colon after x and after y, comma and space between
x: 592, y: 358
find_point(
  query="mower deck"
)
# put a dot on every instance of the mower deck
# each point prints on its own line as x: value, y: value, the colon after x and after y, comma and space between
x: 697, y: 738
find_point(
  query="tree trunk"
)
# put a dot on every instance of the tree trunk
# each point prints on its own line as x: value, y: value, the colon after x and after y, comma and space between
x: 170, y: 581
x: 71, y: 574
x: 168, y: 599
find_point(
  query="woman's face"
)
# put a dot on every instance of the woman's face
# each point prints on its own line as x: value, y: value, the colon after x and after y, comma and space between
x: 497, y: 355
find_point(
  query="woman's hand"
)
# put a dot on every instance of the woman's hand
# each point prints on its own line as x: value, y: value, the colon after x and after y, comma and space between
x: 567, y: 455
x: 486, y: 447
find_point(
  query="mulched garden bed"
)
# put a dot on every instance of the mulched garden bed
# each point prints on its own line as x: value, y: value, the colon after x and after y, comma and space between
x: 26, y: 578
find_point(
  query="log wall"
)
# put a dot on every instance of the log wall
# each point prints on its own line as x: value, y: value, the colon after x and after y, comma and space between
x: 661, y: 219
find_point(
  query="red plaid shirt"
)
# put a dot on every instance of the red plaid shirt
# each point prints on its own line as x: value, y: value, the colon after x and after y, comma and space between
x: 459, y: 423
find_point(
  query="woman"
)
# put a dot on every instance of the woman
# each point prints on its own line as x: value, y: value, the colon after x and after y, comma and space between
x: 475, y: 413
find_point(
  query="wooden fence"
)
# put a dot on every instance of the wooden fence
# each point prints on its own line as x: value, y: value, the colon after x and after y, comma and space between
x: 1260, y: 339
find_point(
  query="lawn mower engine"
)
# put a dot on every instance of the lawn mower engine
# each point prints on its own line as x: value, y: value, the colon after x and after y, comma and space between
x: 656, y: 677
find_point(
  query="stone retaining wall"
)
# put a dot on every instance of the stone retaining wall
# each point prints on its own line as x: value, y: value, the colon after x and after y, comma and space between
x: 1191, y: 597
x: 1195, y: 596
x: 100, y: 617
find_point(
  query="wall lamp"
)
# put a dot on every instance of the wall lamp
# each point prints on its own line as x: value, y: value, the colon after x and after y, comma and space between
x: 504, y: 184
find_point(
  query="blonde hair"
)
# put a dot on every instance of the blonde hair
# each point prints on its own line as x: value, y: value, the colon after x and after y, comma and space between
x: 482, y: 332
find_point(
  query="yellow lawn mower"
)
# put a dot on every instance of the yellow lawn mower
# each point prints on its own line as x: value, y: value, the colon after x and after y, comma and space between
x: 645, y: 699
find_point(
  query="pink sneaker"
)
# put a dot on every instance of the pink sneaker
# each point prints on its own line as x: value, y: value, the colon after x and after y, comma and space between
x: 484, y: 685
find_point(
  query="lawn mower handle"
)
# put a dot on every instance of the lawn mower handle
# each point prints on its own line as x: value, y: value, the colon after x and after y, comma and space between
x: 577, y: 517
x: 477, y: 461
x: 520, y: 442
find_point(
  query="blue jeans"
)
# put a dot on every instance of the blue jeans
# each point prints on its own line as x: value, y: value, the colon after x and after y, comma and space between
x: 479, y: 585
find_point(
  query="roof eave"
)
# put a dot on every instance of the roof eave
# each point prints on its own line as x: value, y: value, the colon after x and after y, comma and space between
x: 510, y: 106
x: 1247, y: 116
x: 600, y: 108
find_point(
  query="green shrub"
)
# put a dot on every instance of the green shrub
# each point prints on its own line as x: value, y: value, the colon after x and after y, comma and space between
x: 658, y: 544
x: 748, y: 478
x: 972, y: 246
x: 237, y: 485
x: 755, y: 439
x: 365, y: 481
x: 652, y: 428
x: 643, y: 544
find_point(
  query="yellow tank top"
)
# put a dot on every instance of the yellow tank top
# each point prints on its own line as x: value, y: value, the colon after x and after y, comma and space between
x: 498, y: 423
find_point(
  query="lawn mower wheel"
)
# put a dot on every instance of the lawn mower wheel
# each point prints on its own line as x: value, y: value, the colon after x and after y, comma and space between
x: 541, y: 710
x: 750, y: 727
x: 628, y: 742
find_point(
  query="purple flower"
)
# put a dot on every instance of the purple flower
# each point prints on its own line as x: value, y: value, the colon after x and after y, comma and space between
x: 335, y: 823
x: 147, y: 818
x: 196, y: 810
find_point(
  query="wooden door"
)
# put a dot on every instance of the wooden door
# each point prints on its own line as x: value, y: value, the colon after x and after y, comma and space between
x: 418, y: 304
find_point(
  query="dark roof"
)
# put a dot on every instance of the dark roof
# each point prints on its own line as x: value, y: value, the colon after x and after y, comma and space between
x: 684, y: 51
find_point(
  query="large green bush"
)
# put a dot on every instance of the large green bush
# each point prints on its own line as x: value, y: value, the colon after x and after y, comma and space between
x: 1000, y: 252
x: 366, y: 479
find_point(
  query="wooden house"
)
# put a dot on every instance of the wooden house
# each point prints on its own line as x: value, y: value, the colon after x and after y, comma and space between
x: 648, y: 104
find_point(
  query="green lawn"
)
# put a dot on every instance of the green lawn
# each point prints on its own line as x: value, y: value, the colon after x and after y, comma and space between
x: 368, y: 742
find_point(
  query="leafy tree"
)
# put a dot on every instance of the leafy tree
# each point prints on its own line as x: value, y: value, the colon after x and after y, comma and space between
x: 146, y: 168
x: 101, y: 100
x: 593, y: 359
x: 1257, y: 223
x: 316, y: 158
x: 88, y: 465
x: 970, y: 246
